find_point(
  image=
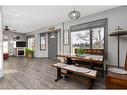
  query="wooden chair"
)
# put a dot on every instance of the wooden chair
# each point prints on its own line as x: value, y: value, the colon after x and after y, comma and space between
x: 94, y: 65
x: 82, y: 63
x: 125, y: 66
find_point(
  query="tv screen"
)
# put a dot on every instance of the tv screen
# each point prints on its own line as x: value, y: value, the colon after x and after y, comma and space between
x: 21, y: 44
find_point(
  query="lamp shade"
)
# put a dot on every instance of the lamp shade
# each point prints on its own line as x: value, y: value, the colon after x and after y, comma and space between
x: 74, y: 14
x: 118, y: 32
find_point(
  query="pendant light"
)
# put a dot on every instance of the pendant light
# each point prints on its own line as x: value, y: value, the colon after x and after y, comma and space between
x: 52, y: 36
x: 74, y: 14
x: 52, y: 32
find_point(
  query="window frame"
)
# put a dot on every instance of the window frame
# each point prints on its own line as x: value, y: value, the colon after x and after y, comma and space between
x: 66, y: 34
x: 31, y: 36
x: 43, y: 35
x: 91, y: 38
x: 7, y: 43
x: 104, y: 24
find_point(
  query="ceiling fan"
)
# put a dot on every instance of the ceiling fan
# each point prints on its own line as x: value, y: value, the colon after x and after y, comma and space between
x: 6, y: 28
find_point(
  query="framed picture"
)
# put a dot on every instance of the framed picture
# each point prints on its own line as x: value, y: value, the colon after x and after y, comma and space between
x: 42, y: 41
x: 66, y: 37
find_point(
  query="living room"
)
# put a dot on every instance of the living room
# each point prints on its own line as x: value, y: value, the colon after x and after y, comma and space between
x: 36, y: 37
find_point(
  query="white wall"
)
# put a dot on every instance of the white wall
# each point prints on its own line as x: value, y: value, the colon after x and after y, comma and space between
x: 1, y: 51
x: 38, y: 52
x: 116, y: 17
x: 44, y: 53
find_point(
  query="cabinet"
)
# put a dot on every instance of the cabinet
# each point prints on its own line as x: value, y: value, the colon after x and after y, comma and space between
x: 116, y: 81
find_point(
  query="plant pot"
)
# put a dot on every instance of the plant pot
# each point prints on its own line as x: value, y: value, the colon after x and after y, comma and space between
x: 29, y: 55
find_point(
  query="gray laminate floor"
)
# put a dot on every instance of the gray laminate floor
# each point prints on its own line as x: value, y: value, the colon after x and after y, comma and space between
x: 34, y: 73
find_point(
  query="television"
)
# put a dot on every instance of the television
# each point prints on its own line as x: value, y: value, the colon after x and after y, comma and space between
x: 21, y: 44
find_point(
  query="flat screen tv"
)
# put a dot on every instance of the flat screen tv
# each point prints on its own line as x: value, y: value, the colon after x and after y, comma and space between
x: 21, y: 44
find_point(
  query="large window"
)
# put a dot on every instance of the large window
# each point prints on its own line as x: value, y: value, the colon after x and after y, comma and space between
x: 88, y: 39
x: 31, y: 43
x: 5, y: 46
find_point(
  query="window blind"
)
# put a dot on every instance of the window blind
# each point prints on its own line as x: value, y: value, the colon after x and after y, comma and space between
x: 89, y: 25
x: 30, y: 36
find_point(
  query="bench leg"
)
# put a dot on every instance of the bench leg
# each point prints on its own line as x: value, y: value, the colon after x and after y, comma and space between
x: 58, y: 74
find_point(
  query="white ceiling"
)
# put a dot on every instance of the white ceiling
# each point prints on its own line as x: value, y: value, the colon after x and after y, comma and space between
x: 32, y: 18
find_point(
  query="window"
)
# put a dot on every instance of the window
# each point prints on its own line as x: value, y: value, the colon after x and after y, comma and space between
x: 66, y: 37
x: 5, y: 46
x: 42, y: 41
x: 88, y: 39
x: 98, y: 38
x: 80, y: 39
x: 31, y: 44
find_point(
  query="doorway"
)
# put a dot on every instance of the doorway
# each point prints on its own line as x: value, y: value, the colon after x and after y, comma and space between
x: 52, y: 46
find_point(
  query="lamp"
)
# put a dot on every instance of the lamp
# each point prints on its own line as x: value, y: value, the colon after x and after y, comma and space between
x: 52, y: 33
x: 52, y: 36
x: 74, y: 14
x: 118, y: 32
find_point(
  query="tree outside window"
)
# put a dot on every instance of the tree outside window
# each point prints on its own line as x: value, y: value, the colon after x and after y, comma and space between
x: 98, y: 38
x: 80, y: 39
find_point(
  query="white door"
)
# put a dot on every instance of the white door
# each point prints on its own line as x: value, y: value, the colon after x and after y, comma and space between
x: 1, y: 45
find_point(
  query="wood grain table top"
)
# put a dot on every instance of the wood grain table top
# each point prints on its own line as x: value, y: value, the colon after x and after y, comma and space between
x: 80, y: 70
x: 84, y: 57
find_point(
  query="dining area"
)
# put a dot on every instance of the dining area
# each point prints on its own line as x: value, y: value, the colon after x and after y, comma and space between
x: 87, y: 64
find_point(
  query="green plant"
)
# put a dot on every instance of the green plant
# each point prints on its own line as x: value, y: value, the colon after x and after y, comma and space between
x: 80, y: 51
x: 29, y: 51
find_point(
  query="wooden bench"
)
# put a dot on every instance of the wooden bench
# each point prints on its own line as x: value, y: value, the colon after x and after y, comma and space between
x: 76, y: 72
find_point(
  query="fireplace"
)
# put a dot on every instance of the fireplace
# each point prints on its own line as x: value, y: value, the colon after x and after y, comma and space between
x: 20, y: 51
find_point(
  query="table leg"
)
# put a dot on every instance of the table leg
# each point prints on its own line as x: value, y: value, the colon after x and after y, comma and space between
x: 58, y: 74
x: 102, y: 70
x: 91, y: 65
x: 91, y: 83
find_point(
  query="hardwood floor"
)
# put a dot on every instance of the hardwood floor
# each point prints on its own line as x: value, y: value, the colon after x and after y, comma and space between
x: 35, y: 73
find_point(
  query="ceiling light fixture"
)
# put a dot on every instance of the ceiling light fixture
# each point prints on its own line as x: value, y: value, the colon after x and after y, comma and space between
x: 52, y: 32
x: 16, y: 13
x: 74, y: 14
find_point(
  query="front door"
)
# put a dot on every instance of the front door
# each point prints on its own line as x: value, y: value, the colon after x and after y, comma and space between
x: 52, y: 46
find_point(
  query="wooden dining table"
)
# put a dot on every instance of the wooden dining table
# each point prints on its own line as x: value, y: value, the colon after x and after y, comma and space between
x: 85, y: 58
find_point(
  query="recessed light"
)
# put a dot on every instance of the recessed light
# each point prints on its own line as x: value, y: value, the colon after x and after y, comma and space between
x: 16, y: 13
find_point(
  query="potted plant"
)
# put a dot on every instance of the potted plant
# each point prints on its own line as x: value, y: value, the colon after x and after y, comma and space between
x: 29, y: 52
x: 80, y: 52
